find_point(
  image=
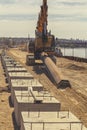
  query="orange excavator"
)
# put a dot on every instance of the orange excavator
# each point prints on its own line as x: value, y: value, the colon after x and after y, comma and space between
x: 43, y: 47
x: 44, y: 41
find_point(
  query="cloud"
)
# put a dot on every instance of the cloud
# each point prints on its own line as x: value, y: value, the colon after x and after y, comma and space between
x: 61, y: 12
x: 65, y: 17
x: 17, y: 17
x: 20, y: 2
x: 68, y: 17
x: 68, y: 29
x: 52, y: 17
x: 73, y: 3
x: 18, y: 9
x: 17, y: 28
x: 7, y: 1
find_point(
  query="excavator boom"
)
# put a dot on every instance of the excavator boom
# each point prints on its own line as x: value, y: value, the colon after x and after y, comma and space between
x: 42, y: 19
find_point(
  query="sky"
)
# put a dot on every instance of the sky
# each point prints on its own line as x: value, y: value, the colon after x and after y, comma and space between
x: 66, y: 18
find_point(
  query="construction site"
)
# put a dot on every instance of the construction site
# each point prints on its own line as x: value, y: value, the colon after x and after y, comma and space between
x: 41, y: 91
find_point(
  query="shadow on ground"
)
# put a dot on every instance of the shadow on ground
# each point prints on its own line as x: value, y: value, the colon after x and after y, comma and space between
x: 16, y: 127
x: 38, y: 69
x: 10, y: 102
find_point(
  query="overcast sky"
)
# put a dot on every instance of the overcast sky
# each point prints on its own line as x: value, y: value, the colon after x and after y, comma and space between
x: 67, y: 18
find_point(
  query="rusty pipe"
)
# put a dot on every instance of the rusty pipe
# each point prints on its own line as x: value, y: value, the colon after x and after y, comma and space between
x: 55, y: 73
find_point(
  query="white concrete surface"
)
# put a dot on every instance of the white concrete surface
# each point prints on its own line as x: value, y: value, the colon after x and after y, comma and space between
x: 12, y: 65
x: 16, y: 69
x: 61, y: 120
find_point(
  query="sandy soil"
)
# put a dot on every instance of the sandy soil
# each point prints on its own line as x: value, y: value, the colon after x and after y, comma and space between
x: 73, y: 99
x: 6, y: 121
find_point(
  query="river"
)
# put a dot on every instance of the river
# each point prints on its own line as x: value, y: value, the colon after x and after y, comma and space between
x: 78, y: 52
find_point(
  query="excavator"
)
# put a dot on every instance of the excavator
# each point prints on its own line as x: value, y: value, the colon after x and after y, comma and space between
x: 44, y: 41
x: 43, y: 48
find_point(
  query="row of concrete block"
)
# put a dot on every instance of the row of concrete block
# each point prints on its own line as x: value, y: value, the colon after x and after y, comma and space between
x: 34, y: 107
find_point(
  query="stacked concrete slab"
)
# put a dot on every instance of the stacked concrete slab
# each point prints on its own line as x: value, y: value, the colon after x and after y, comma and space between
x: 9, y: 62
x: 16, y: 65
x: 34, y: 108
x: 18, y: 75
x: 18, y: 83
x: 13, y: 64
x: 25, y: 84
x: 14, y: 69
x: 5, y: 59
x: 34, y: 101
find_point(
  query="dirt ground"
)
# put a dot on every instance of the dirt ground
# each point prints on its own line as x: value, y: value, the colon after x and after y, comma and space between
x: 74, y: 99
x: 6, y: 121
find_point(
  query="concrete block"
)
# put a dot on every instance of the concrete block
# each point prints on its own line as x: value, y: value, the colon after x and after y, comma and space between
x: 14, y: 69
x: 4, y: 60
x: 60, y: 120
x: 13, y: 65
x: 19, y: 84
x: 41, y: 101
x: 18, y: 75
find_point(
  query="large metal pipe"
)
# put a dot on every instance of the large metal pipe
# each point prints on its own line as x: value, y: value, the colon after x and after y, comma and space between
x: 59, y: 79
